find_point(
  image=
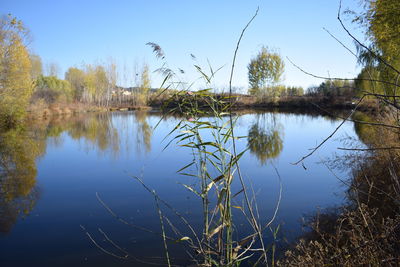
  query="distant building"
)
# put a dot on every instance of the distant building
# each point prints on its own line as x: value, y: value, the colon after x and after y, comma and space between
x: 128, y: 91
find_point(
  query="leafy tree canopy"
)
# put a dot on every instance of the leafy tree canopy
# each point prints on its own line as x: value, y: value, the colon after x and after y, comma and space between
x: 264, y: 69
x: 15, y: 71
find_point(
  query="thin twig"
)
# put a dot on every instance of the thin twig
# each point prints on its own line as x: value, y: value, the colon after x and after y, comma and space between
x: 100, y: 247
x: 334, y: 37
x: 369, y: 149
x: 112, y: 242
x: 180, y: 216
x: 361, y: 44
x: 255, y: 224
x: 357, y: 121
x: 350, y: 185
x: 124, y: 221
x: 162, y: 230
x: 326, y: 139
x: 279, y: 198
x: 339, y: 79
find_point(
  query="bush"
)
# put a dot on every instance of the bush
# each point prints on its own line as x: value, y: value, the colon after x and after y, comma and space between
x: 52, y: 89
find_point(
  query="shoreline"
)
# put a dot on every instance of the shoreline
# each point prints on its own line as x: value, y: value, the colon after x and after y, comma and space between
x: 306, y: 105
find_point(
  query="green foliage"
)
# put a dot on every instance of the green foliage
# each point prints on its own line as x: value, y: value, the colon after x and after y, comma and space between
x: 365, y: 132
x: 265, y: 144
x: 96, y: 85
x: 382, y: 21
x: 53, y: 89
x: 76, y: 78
x: 93, y: 84
x: 365, y: 81
x: 282, y: 91
x: 293, y: 91
x: 15, y: 72
x: 333, y: 88
x: 264, y: 70
x: 384, y: 27
x: 209, y: 134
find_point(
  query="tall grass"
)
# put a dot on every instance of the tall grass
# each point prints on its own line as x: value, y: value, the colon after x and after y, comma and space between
x: 216, y: 164
x: 207, y: 130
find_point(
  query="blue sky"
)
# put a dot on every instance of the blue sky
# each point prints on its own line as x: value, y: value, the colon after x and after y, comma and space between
x: 72, y: 32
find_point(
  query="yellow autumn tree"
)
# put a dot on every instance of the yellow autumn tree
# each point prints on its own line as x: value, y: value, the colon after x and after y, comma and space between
x: 76, y: 78
x: 15, y: 71
x: 145, y: 85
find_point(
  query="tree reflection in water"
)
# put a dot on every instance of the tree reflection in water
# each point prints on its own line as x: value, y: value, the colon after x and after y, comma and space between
x: 18, y: 153
x: 144, y: 131
x: 264, y: 138
x: 22, y: 146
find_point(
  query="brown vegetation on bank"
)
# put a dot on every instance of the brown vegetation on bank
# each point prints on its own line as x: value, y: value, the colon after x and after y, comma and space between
x: 365, y: 232
x: 242, y: 101
x: 43, y: 110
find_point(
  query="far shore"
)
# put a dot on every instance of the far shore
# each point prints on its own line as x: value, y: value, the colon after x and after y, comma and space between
x: 298, y: 104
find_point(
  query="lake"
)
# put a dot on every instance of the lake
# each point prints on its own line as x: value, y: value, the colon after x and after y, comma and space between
x: 56, y: 173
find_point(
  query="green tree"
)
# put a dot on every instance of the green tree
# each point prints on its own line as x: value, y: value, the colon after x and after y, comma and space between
x: 15, y: 71
x: 264, y: 144
x: 53, y: 89
x: 364, y: 83
x: 101, y: 84
x: 264, y: 138
x: 264, y: 70
x: 76, y: 77
x: 382, y: 21
x: 96, y: 85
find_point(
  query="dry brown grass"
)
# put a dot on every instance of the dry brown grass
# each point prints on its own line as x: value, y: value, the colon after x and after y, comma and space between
x: 357, y: 239
x: 40, y: 109
x: 367, y: 231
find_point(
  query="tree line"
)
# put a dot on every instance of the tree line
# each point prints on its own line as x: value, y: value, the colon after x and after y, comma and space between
x: 379, y: 60
x: 22, y: 79
x: 91, y: 84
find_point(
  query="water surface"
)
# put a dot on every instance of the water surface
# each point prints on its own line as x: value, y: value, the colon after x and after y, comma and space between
x: 51, y: 171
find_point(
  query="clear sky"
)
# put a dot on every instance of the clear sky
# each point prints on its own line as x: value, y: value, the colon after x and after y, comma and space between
x: 74, y: 32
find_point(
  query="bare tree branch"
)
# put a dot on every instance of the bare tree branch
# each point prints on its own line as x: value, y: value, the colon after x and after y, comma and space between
x: 340, y: 79
x: 326, y: 139
x: 370, y: 149
x: 361, y: 44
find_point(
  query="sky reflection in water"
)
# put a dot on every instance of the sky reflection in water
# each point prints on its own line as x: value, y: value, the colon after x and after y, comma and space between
x: 51, y: 171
